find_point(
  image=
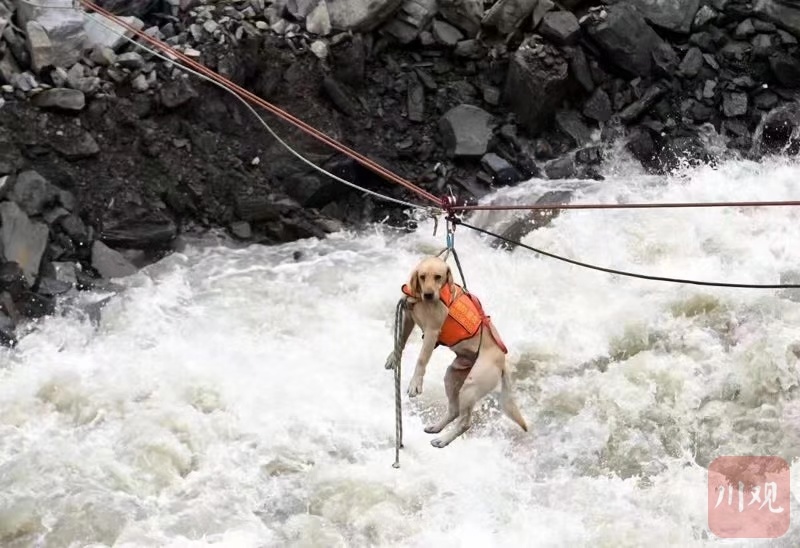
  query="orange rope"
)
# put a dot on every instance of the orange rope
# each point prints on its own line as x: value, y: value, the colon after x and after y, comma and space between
x: 264, y: 104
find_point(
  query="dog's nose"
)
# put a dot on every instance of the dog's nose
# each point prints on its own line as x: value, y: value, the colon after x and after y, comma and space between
x: 428, y: 296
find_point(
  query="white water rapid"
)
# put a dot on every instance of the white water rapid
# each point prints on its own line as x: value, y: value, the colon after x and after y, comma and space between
x: 237, y: 397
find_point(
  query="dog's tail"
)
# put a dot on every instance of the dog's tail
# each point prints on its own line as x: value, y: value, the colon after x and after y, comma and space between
x: 507, y: 403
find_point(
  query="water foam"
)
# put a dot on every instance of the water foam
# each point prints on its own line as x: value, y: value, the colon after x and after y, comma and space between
x: 238, y: 397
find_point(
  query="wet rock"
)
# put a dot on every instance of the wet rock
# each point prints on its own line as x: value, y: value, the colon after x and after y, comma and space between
x: 625, y: 38
x: 598, y: 106
x: 561, y: 168
x: 60, y: 98
x: 24, y: 241
x: 416, y: 100
x: 570, y: 123
x: 13, y: 280
x: 502, y: 172
x: 109, y: 263
x: 640, y: 106
x: 560, y: 27
x: 536, y: 83
x: 778, y: 131
x: 466, y: 130
x: 152, y: 231
x: 507, y: 15
x: 533, y: 220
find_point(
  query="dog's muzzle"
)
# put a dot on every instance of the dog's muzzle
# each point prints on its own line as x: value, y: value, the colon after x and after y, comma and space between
x: 428, y: 296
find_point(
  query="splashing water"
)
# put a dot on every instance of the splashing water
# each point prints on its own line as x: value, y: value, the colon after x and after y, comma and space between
x: 237, y: 397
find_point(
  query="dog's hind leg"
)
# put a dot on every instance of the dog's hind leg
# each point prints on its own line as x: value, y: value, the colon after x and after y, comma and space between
x: 507, y: 403
x: 482, y: 378
x: 453, y: 381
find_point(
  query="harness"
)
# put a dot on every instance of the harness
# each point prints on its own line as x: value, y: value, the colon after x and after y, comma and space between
x: 465, y: 316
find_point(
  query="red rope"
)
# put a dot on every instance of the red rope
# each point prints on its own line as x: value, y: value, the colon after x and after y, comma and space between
x: 621, y: 206
x: 264, y: 104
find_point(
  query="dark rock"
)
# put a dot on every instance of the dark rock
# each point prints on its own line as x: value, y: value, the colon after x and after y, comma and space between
x: 626, y: 39
x: 536, y: 83
x: 589, y: 156
x: 541, y: 9
x: 466, y: 130
x: 561, y: 168
x: 642, y: 105
x: 465, y: 14
x: 177, y: 92
x: 412, y: 17
x: 784, y: 13
x: 533, y: 220
x: 579, y: 68
x: 704, y: 16
x: 51, y: 287
x: 13, y: 280
x: 734, y: 104
x: 598, y: 106
x: 570, y: 123
x: 560, y: 27
x: 140, y: 232
x: 503, y: 173
x: 349, y: 61
x: 339, y: 96
x: 33, y: 305
x: 786, y: 69
x: 641, y: 145
x: 242, y: 230
x: 24, y: 241
x: 762, y: 45
x: 744, y: 30
x: 665, y: 60
x: 76, y: 230
x: 416, y: 99
x: 507, y: 15
x: 446, y: 34
x: 60, y: 98
x: 360, y: 16
x: 110, y: 263
x: 32, y: 192
x: 765, y: 100
x: 671, y: 15
x: 75, y: 143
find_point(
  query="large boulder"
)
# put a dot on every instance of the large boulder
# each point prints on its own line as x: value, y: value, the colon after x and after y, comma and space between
x: 537, y: 81
x: 56, y: 33
x: 671, y: 15
x: 625, y: 37
x: 23, y: 240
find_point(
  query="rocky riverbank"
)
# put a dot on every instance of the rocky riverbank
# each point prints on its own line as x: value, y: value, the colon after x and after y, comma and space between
x: 109, y: 154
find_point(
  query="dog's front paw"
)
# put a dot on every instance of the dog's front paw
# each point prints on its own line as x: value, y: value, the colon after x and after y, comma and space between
x: 391, y: 363
x: 439, y: 442
x: 415, y: 386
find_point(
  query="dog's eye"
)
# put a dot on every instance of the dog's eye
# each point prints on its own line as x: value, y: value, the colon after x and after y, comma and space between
x: 422, y: 277
x: 438, y: 277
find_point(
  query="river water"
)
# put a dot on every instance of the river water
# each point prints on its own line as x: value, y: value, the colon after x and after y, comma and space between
x: 237, y: 396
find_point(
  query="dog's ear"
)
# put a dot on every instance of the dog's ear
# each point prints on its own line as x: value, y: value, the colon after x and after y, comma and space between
x: 449, y: 276
x: 414, y: 284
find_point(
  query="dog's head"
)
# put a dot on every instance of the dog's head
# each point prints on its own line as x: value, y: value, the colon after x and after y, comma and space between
x: 428, y: 278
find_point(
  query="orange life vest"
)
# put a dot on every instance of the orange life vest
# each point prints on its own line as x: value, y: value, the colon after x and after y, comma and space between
x: 465, y: 316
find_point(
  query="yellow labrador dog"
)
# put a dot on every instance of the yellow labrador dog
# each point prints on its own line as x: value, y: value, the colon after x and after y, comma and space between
x: 449, y: 316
